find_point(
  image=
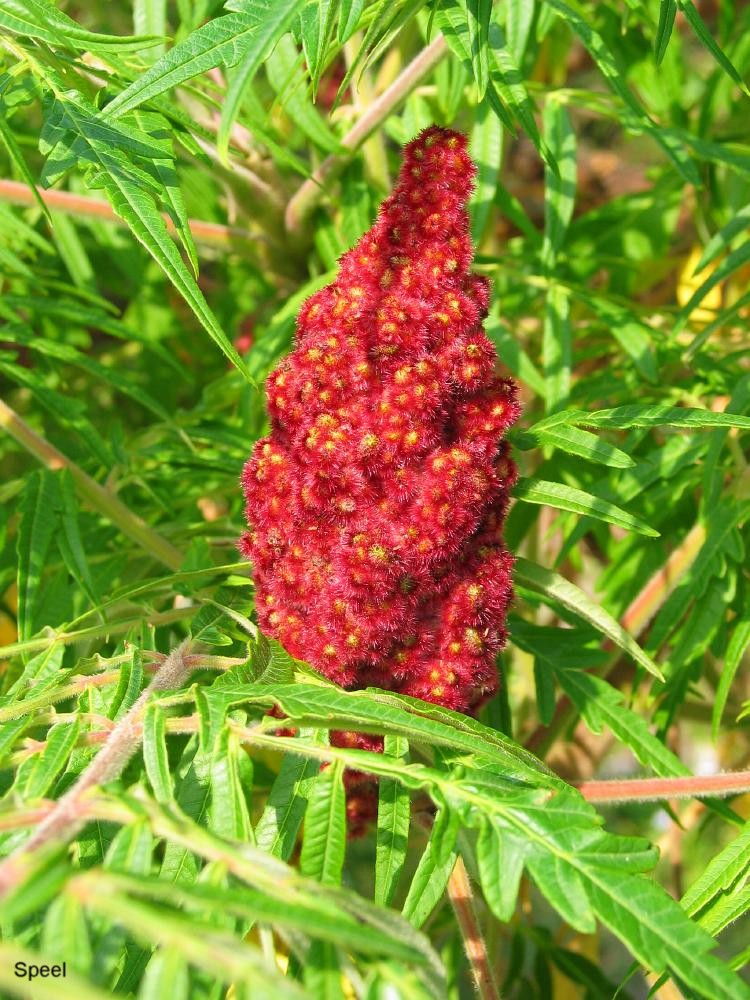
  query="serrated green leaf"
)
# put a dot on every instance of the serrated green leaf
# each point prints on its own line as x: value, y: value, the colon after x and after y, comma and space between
x: 42, y: 20
x: 316, y: 21
x: 155, y: 757
x: 428, y: 883
x: 452, y: 21
x: 166, y: 976
x: 723, y: 876
x: 582, y: 443
x: 638, y: 415
x: 698, y: 25
x: 223, y: 956
x: 107, y: 148
x: 231, y: 781
x: 667, y: 12
x: 70, y: 542
x: 324, y: 841
x: 720, y: 523
x: 563, y: 889
x: 138, y: 211
x: 579, y: 502
x: 270, y: 19
x: 557, y: 588
x: 38, y: 775
x: 738, y: 644
x: 478, y: 14
x: 501, y: 860
x: 276, y: 830
x: 602, y: 707
x: 224, y: 41
x: 385, y: 712
x: 349, y: 15
x: 157, y: 127
x: 557, y: 348
x: 508, y: 80
x: 38, y: 521
x: 392, y: 835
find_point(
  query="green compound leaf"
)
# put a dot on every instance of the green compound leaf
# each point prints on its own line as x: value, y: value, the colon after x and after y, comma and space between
x: 603, y: 707
x: 44, y: 21
x: 243, y: 36
x: 633, y: 112
x: 277, y: 828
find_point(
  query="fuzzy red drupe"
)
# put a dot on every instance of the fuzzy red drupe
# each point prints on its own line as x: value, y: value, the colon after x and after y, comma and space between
x: 376, y: 504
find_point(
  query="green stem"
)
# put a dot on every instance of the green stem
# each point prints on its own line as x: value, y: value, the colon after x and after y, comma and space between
x: 68, y: 815
x: 94, y: 631
x: 102, y: 500
x: 305, y: 199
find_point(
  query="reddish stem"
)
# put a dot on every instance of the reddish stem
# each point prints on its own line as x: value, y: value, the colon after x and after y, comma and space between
x: 654, y: 789
x: 95, y: 208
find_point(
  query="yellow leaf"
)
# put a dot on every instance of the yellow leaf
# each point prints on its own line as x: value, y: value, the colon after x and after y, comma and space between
x: 688, y: 283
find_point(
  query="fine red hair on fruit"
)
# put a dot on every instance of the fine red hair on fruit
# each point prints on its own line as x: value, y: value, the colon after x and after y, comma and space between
x: 375, y: 506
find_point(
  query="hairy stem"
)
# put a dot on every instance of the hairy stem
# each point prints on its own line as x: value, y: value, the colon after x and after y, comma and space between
x: 654, y: 789
x: 102, y: 500
x: 41, y: 642
x: 68, y: 815
x: 462, y: 900
x: 305, y: 199
x: 83, y: 206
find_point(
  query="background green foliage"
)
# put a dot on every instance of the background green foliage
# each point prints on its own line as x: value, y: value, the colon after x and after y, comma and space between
x: 140, y: 316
